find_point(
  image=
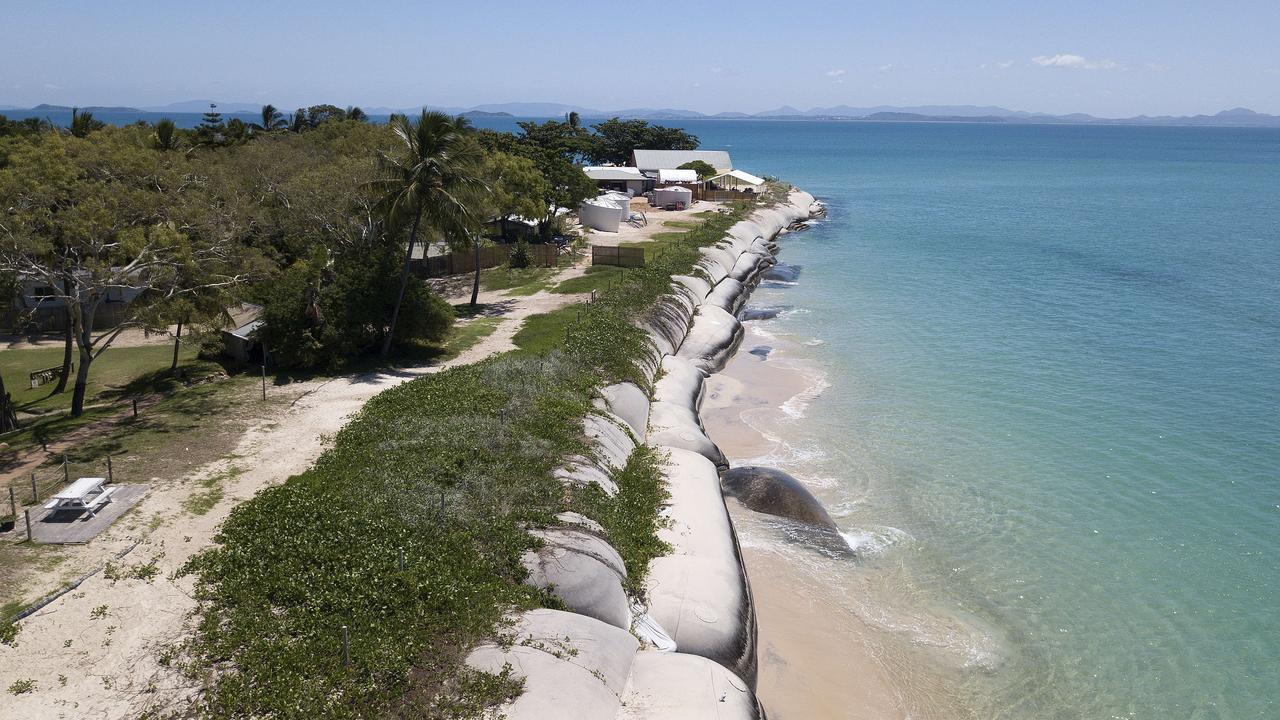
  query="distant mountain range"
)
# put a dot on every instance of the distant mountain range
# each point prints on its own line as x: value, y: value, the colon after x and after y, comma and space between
x: 1237, y: 117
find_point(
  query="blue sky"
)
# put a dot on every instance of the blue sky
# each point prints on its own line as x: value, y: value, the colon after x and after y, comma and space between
x: 1107, y: 58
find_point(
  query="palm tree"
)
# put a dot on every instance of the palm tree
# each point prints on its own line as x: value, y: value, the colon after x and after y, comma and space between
x: 436, y: 181
x: 272, y: 120
x: 82, y: 123
x: 298, y: 121
x: 166, y: 135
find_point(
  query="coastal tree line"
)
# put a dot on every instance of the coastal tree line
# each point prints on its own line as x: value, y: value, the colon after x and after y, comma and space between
x: 313, y: 216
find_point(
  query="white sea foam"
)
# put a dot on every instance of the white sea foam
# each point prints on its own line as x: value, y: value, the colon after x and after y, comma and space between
x: 874, y: 541
x: 796, y: 406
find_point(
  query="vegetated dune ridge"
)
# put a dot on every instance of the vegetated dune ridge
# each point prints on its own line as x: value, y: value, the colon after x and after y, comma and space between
x: 587, y: 658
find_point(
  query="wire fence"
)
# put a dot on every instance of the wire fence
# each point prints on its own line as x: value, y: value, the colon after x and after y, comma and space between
x: 30, y: 490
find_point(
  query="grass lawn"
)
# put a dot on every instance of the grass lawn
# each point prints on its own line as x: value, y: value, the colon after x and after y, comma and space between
x: 464, y: 336
x: 117, y: 367
x: 542, y: 333
x: 517, y: 281
x: 596, y: 278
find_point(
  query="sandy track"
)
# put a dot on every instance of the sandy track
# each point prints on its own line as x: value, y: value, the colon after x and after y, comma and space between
x: 94, y: 663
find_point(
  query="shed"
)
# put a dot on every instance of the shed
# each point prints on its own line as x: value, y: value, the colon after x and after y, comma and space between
x: 241, y: 345
x: 610, y: 177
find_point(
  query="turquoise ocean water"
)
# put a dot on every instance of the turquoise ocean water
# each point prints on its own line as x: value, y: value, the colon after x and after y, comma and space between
x: 1052, y: 368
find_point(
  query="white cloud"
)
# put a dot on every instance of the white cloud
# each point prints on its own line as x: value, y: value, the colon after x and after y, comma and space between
x: 1077, y: 62
x: 837, y: 73
x: 1005, y: 65
x: 886, y: 68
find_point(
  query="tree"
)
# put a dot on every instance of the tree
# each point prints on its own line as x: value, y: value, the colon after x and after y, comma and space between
x: 298, y: 121
x: 317, y: 114
x: 83, y: 123
x: 570, y: 142
x: 566, y: 187
x: 355, y: 113
x: 271, y: 120
x: 436, y: 179
x: 704, y: 169
x: 8, y: 415
x: 99, y: 219
x: 211, y: 130
x: 517, y: 188
x: 617, y: 138
x: 166, y: 136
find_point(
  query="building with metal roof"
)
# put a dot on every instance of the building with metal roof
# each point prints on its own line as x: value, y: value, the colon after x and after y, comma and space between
x: 610, y: 177
x: 654, y: 160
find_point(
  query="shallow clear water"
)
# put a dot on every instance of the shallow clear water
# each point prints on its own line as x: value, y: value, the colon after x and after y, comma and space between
x: 1053, y: 368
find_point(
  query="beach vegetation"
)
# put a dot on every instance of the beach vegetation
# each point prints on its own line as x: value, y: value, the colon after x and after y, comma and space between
x: 448, y: 470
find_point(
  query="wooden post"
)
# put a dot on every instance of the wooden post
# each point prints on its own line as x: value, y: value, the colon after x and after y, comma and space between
x: 13, y: 503
x: 35, y: 496
x: 27, y: 513
x: 110, y: 474
x: 346, y: 648
x: 135, y: 407
x: 264, y: 381
x: 66, y: 470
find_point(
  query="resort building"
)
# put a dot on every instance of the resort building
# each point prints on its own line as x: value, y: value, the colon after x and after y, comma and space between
x: 618, y: 178
x: 651, y: 161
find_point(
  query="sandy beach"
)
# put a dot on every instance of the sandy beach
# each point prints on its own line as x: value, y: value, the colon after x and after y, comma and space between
x: 817, y: 657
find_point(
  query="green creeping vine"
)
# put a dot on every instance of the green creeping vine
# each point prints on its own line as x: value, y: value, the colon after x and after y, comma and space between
x: 446, y: 472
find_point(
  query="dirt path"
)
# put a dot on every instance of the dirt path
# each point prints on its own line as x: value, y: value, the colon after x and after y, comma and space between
x: 96, y: 652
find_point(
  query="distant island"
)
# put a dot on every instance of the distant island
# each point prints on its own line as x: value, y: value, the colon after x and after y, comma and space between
x: 1235, y: 117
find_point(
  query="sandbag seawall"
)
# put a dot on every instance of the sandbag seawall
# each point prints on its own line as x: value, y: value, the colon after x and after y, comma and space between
x: 588, y: 658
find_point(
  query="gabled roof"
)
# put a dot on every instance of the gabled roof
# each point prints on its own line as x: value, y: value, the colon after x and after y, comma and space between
x: 613, y: 173
x: 742, y: 175
x: 670, y: 159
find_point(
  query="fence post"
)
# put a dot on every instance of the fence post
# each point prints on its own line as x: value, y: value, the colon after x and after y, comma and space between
x: 264, y: 381
x: 35, y: 496
x: 66, y: 470
x: 27, y: 514
x: 346, y: 648
x: 110, y: 474
x: 13, y: 503
x: 135, y: 407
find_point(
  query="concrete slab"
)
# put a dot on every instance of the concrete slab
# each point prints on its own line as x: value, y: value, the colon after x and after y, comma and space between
x: 70, y: 527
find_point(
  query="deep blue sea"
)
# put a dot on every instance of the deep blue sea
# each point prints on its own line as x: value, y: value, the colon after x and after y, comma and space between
x: 1052, y: 357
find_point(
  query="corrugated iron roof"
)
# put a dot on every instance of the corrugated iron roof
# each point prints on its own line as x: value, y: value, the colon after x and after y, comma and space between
x: 613, y: 173
x: 670, y: 159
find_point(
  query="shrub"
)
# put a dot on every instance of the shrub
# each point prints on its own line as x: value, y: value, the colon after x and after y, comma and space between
x: 320, y: 313
x: 520, y: 255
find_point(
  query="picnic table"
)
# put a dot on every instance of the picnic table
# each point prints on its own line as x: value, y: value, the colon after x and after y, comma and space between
x: 83, y: 495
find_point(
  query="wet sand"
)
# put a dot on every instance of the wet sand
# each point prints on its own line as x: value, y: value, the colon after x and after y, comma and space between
x: 816, y: 657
